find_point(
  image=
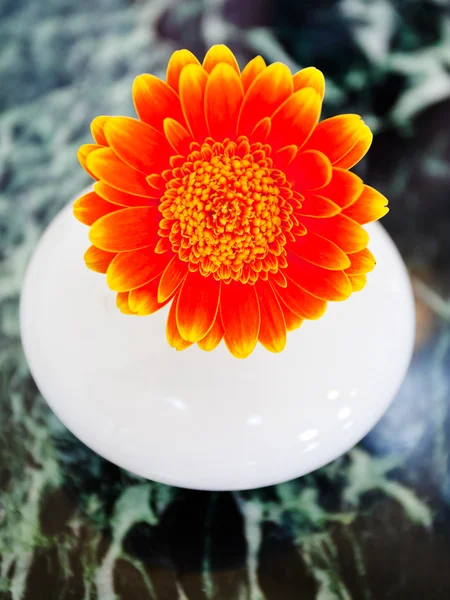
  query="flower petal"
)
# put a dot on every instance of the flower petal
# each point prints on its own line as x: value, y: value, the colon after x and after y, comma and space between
x: 269, y: 89
x: 126, y: 229
x: 283, y: 157
x: 122, y: 303
x: 91, y: 207
x: 294, y: 121
x: 323, y: 283
x: 177, y: 136
x: 83, y: 153
x: 310, y: 77
x: 317, y: 206
x: 320, y: 251
x: 154, y: 100
x: 123, y: 199
x: 105, y: 165
x: 223, y: 98
x: 97, y: 127
x: 309, y: 170
x: 358, y: 282
x: 177, y: 62
x: 173, y: 335
x: 340, y: 230
x: 278, y: 279
x: 292, y: 320
x: 144, y: 300
x: 214, y: 336
x: 130, y: 270
x: 98, y: 260
x: 261, y: 130
x: 272, y: 332
x: 343, y: 188
x: 251, y: 71
x: 241, y: 318
x: 344, y: 139
x: 369, y: 206
x: 192, y: 93
x: 300, y: 302
x: 174, y: 274
x: 361, y: 262
x: 140, y: 146
x: 359, y: 150
x: 220, y: 54
x: 197, y: 306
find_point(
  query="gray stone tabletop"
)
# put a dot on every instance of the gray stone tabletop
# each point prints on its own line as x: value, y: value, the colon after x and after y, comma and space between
x: 373, y: 525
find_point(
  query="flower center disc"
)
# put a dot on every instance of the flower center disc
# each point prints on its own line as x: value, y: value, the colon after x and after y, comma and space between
x: 226, y: 210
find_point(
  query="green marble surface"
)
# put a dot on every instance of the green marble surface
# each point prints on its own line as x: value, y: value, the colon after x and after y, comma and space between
x: 373, y: 525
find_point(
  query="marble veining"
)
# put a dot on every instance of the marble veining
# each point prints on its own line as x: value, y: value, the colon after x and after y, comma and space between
x: 373, y: 525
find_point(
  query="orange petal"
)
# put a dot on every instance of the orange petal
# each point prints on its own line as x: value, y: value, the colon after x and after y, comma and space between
x: 98, y: 260
x: 370, y: 206
x: 198, y: 302
x: 320, y: 251
x: 317, y: 206
x: 223, y: 98
x: 173, y: 335
x: 310, y: 77
x: 126, y: 229
x: 107, y: 166
x: 340, y: 230
x: 156, y: 182
x: 283, y: 157
x: 241, y: 318
x: 344, y: 187
x: 251, y: 71
x: 172, y: 277
x: 272, y: 332
x: 361, y: 262
x: 177, y: 62
x: 356, y: 153
x: 122, y: 198
x: 344, y: 139
x: 154, y: 100
x: 192, y: 93
x: 300, y: 302
x: 309, y: 170
x: 97, y: 127
x: 220, y: 54
x: 292, y: 320
x: 295, y: 119
x: 278, y: 279
x: 83, y: 153
x: 122, y: 303
x: 91, y: 207
x: 140, y: 146
x: 144, y: 300
x: 130, y: 270
x: 177, y: 136
x: 261, y: 130
x: 323, y: 283
x: 358, y: 282
x: 269, y: 89
x: 163, y: 245
x: 214, y: 336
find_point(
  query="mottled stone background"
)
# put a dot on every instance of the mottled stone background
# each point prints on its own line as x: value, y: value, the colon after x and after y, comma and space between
x: 374, y: 524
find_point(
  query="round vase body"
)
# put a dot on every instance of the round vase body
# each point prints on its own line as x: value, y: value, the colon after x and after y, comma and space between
x: 208, y: 420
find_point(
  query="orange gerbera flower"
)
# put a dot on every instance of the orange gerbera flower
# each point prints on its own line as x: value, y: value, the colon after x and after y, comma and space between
x: 228, y: 198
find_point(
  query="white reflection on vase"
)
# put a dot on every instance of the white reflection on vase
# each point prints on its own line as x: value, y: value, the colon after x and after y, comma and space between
x: 307, y: 435
x: 177, y: 403
x: 255, y: 420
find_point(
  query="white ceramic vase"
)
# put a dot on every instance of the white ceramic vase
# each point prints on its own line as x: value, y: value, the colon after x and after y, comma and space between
x: 208, y: 420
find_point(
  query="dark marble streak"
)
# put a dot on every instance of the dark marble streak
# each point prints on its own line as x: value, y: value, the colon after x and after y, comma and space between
x: 373, y: 525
